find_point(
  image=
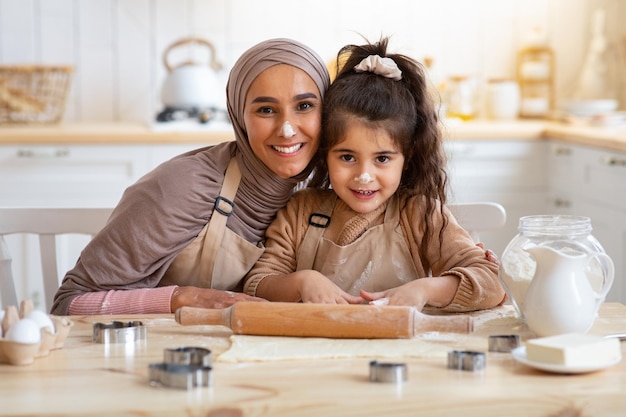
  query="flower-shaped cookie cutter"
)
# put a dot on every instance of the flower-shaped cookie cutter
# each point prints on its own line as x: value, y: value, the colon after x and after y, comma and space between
x: 183, y: 368
x: 466, y: 360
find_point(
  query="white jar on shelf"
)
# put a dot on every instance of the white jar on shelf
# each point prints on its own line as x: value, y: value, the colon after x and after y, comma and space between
x: 535, y: 76
x: 503, y: 99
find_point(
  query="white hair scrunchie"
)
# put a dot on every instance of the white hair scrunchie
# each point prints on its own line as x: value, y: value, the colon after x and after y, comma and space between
x: 385, y: 67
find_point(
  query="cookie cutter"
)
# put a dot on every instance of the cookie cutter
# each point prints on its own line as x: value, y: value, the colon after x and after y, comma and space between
x: 191, y: 356
x: 118, y: 332
x: 466, y: 360
x: 183, y: 368
x: 503, y: 342
x: 388, y: 372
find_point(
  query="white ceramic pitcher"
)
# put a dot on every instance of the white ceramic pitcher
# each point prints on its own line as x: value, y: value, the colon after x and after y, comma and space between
x: 560, y: 298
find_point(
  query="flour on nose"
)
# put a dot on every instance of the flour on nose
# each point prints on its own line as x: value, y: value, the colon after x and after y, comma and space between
x: 364, y: 178
x: 287, y: 131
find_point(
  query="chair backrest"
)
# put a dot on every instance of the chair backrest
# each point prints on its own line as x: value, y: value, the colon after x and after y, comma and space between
x: 479, y: 217
x: 47, y: 224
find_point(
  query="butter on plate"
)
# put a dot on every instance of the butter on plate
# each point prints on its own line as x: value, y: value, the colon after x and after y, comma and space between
x: 573, y: 349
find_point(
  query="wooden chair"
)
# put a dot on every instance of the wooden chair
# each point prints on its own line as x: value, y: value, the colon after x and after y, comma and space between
x: 47, y: 223
x: 479, y: 217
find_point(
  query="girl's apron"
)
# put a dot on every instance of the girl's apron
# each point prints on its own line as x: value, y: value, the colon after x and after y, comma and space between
x: 218, y: 258
x: 378, y: 260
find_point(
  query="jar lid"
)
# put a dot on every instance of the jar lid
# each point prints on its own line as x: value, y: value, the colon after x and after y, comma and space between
x: 500, y: 80
x: 555, y: 224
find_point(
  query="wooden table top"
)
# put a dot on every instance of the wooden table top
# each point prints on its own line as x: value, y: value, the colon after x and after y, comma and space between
x: 87, y: 378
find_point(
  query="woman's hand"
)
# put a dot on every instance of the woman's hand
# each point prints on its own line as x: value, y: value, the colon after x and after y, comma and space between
x: 206, y: 298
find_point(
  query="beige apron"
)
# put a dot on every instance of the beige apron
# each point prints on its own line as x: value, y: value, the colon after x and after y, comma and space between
x: 218, y: 258
x: 378, y: 260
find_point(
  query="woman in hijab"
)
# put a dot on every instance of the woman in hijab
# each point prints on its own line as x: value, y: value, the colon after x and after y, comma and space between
x: 187, y: 233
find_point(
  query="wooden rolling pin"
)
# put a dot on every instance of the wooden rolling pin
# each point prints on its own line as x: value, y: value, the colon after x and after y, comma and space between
x: 324, y: 320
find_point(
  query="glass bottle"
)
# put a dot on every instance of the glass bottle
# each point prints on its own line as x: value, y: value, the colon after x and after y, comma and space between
x: 461, y: 98
x: 598, y: 82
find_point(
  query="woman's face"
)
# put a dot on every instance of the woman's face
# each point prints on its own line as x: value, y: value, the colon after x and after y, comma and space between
x: 280, y: 94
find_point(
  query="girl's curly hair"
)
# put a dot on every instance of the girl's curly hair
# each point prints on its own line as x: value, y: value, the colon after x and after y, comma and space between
x: 405, y: 109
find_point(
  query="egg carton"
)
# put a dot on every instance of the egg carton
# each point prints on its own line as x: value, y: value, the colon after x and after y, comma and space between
x: 15, y: 352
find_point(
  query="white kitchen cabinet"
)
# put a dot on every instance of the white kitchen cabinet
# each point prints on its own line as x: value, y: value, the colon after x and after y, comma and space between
x: 510, y: 172
x: 68, y: 175
x: 590, y: 182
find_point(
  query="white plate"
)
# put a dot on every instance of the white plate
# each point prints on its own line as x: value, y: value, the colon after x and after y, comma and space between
x: 520, y: 355
x: 590, y: 107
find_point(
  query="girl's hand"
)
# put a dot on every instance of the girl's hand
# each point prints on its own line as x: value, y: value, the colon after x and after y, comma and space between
x: 489, y: 254
x: 316, y: 288
x: 409, y: 294
x: 434, y: 291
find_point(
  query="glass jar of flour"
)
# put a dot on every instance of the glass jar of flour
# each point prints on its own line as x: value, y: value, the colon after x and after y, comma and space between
x: 569, y: 235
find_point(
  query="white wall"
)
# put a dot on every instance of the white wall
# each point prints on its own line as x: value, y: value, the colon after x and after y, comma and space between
x: 116, y: 46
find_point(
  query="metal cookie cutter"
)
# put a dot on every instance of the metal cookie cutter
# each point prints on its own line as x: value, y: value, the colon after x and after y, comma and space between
x: 192, y: 356
x: 388, y: 372
x: 118, y: 332
x: 503, y: 342
x: 183, y: 368
x: 466, y: 360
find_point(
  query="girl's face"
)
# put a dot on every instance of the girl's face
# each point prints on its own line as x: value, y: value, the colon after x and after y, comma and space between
x: 365, y: 168
x: 280, y: 94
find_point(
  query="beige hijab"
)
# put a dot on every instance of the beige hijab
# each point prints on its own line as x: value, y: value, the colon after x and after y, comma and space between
x: 261, y: 191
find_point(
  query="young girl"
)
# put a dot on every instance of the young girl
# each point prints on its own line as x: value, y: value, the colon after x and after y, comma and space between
x: 373, y: 225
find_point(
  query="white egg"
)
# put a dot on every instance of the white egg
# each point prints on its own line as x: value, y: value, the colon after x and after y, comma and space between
x: 42, y: 319
x: 24, y: 331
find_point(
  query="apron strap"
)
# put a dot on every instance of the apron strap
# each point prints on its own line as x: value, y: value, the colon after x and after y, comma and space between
x: 318, y: 221
x: 224, y: 207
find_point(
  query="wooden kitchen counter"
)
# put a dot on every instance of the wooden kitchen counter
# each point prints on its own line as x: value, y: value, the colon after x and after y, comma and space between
x: 609, y: 138
x: 112, y: 133
x: 606, y: 138
x: 85, y: 378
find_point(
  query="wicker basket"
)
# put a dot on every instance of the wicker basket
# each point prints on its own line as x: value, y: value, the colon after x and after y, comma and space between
x: 33, y: 93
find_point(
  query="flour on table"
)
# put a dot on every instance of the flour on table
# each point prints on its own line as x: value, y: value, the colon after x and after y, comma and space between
x: 268, y: 348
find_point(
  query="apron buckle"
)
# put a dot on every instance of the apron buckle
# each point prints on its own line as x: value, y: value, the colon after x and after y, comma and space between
x: 225, y: 209
x: 319, y: 220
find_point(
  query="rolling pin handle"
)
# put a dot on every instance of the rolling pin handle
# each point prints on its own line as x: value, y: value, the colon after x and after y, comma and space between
x: 188, y: 316
x: 457, y: 323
